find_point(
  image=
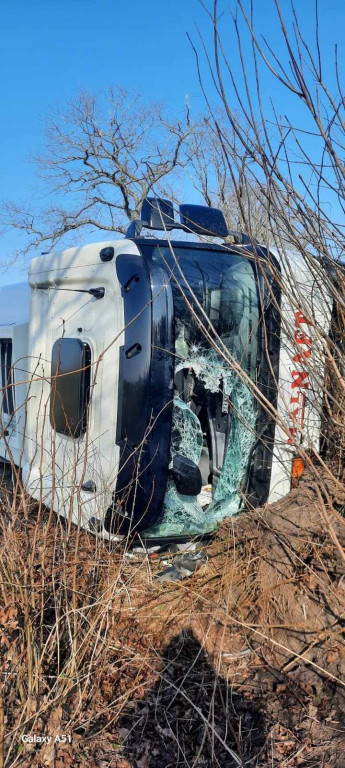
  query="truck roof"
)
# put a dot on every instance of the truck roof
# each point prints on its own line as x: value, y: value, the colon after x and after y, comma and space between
x: 14, y: 304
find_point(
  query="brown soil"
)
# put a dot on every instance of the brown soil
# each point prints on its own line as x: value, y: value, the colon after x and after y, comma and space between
x: 242, y: 664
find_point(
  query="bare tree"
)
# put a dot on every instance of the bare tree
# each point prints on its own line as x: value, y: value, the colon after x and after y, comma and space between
x: 296, y: 171
x: 102, y: 157
x: 224, y: 180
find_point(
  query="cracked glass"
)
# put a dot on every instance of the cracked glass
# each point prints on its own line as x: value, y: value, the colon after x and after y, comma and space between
x: 216, y: 316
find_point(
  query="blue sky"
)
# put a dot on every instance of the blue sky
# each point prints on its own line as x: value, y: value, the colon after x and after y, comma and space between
x: 51, y: 48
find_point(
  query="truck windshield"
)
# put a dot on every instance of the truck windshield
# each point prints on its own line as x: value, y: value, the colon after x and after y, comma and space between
x: 216, y: 318
x: 213, y: 291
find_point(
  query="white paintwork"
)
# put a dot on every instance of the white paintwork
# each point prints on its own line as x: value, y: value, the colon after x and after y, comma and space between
x: 56, y: 465
x: 304, y: 293
x: 14, y: 305
x: 14, y: 320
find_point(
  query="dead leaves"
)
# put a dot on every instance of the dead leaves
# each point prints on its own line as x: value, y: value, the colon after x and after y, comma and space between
x: 8, y: 620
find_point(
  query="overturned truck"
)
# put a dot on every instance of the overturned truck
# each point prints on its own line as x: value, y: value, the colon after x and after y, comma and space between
x: 155, y: 386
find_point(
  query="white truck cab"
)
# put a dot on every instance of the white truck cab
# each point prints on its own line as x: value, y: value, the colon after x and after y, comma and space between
x: 129, y: 370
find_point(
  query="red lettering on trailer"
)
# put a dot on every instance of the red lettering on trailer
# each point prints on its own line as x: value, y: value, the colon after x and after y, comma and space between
x: 301, y: 380
x: 302, y: 338
x: 299, y: 318
x: 302, y: 356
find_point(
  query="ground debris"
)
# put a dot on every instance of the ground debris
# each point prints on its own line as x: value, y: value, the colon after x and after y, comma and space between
x: 183, y: 567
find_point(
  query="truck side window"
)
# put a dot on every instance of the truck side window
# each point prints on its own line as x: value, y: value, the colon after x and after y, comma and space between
x: 70, y: 386
x: 7, y: 376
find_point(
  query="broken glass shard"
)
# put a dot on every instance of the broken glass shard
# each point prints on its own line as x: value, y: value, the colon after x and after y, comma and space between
x: 184, y: 515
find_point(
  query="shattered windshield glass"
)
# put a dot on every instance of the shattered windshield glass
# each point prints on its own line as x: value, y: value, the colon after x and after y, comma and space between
x: 216, y: 312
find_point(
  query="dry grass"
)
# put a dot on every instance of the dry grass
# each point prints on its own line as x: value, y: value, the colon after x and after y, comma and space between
x: 243, y: 662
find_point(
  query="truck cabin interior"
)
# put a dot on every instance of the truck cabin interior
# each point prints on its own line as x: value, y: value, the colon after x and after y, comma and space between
x: 195, y: 444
